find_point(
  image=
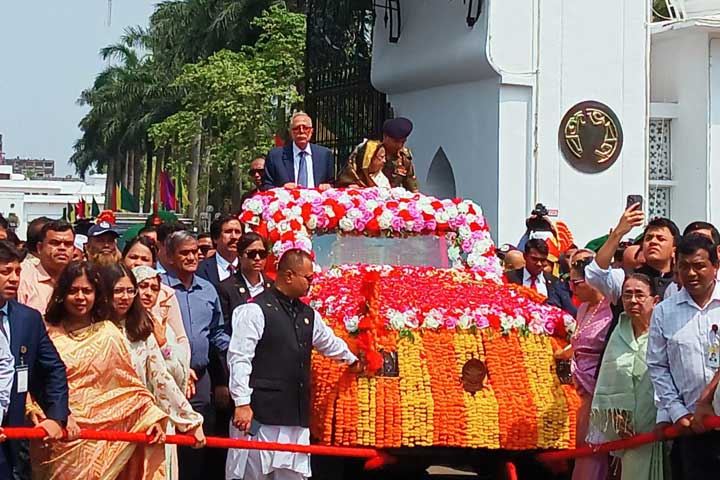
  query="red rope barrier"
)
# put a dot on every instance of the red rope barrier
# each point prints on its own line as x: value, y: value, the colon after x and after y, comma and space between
x: 711, y: 423
x: 375, y: 458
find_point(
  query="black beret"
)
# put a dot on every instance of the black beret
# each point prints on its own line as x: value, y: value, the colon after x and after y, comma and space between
x: 397, y: 127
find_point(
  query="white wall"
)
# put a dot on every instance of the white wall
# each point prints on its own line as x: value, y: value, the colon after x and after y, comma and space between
x: 679, y: 74
x: 493, y: 96
x: 579, y: 61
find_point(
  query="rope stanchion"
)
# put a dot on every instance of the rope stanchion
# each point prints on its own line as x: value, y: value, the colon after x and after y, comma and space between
x: 375, y: 458
x: 710, y: 423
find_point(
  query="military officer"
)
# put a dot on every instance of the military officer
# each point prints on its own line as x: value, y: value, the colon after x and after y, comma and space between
x: 399, y: 168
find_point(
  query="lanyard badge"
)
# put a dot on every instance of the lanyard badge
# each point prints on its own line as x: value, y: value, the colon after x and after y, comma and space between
x: 713, y: 356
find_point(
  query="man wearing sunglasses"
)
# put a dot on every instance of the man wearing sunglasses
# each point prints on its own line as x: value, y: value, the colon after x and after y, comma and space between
x: 257, y: 170
x: 269, y: 360
x: 300, y: 164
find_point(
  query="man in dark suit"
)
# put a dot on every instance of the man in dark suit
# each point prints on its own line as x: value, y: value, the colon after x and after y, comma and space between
x: 225, y: 232
x: 534, y: 276
x: 300, y: 163
x: 38, y: 368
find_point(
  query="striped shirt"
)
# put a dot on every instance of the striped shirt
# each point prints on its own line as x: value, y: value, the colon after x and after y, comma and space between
x: 680, y: 334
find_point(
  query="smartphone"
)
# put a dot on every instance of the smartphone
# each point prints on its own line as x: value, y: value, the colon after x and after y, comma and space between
x: 632, y: 200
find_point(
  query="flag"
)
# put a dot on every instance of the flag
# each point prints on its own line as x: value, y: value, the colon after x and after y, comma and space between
x: 128, y: 203
x: 78, y: 210
x: 71, y: 213
x: 86, y: 208
x: 95, y: 209
x: 182, y: 195
x: 167, y: 192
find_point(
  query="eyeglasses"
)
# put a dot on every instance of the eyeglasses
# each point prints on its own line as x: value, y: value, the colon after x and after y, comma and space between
x: 640, y: 297
x: 130, y: 292
x: 302, y: 128
x: 257, y: 171
x: 256, y: 254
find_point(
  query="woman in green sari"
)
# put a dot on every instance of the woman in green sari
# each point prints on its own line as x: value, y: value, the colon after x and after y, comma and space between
x: 623, y: 404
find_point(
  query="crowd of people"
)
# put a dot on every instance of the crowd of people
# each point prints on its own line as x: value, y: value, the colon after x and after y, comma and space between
x: 646, y: 351
x: 186, y: 333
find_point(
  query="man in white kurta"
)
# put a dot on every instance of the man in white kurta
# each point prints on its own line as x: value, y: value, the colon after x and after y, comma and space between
x: 249, y: 325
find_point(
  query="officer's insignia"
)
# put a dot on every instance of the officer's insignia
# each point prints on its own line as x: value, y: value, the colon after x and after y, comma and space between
x: 590, y: 137
x: 23, y: 349
x: 307, y: 321
x: 104, y: 225
x: 241, y: 289
x: 406, y: 152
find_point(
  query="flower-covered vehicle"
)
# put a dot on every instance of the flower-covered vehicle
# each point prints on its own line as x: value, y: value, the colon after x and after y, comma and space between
x: 456, y: 358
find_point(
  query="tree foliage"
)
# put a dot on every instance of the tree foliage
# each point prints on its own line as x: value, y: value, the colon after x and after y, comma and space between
x: 199, y: 72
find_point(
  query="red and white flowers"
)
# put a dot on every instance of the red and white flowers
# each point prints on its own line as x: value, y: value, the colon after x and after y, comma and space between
x: 290, y: 217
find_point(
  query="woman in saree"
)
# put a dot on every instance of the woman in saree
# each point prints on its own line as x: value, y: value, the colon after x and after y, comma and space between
x: 624, y: 405
x: 165, y: 311
x: 364, y: 168
x: 129, y: 315
x: 105, y: 391
x: 593, y: 321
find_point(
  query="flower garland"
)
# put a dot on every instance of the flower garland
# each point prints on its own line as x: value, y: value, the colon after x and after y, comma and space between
x: 288, y: 218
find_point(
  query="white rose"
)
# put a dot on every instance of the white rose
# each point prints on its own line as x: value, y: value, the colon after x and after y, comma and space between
x: 346, y: 225
x: 464, y: 207
x: 432, y: 320
x: 442, y: 217
x: 465, y: 321
x: 351, y: 323
x: 354, y: 213
x: 329, y: 212
x: 254, y: 205
x: 397, y: 319
x: 371, y: 205
x: 312, y: 222
x: 464, y: 231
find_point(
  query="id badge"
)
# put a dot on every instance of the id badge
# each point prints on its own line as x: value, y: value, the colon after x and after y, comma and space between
x: 713, y: 355
x: 22, y: 379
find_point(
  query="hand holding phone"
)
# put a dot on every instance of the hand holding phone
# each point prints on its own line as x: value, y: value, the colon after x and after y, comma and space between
x: 632, y: 200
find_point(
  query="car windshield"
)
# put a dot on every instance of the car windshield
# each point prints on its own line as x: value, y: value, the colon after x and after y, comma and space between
x: 338, y: 249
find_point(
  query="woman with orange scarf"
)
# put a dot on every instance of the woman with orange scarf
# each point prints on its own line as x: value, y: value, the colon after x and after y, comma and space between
x: 105, y: 391
x: 365, y: 167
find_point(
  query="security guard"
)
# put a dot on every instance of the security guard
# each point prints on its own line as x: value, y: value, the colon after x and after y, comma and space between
x: 399, y: 168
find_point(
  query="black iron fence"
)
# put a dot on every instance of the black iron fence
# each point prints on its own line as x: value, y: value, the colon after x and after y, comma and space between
x: 339, y: 96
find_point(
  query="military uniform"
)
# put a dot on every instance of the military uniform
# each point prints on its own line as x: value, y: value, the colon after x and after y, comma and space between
x: 399, y: 169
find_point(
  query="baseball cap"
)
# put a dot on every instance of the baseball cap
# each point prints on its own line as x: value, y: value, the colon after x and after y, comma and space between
x: 101, y: 229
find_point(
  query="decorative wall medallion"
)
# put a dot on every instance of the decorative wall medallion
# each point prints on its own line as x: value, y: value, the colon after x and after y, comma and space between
x: 474, y: 373
x: 590, y: 137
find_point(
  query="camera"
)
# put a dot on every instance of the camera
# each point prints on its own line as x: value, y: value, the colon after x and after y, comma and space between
x: 539, y: 211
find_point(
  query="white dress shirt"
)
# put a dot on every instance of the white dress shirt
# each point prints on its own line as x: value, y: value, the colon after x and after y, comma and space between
x: 248, y: 324
x: 308, y: 163
x: 608, y: 281
x: 257, y: 289
x: 680, y: 333
x: 7, y: 370
x: 223, y: 266
x: 540, y: 285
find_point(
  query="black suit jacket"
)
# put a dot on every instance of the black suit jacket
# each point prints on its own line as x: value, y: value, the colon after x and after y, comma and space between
x: 279, y: 168
x: 208, y: 270
x: 233, y: 291
x: 558, y: 292
x: 47, y: 379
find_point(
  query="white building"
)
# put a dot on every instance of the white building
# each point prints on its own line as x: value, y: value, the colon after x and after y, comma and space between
x: 685, y: 112
x: 487, y: 101
x: 29, y: 199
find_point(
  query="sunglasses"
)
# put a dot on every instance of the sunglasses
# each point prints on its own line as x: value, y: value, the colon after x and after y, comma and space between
x: 257, y: 171
x: 256, y: 254
x: 302, y: 128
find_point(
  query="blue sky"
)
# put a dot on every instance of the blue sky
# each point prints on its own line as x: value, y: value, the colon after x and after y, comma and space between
x: 48, y: 55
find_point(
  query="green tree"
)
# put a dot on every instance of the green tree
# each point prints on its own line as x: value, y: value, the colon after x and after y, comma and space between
x: 236, y: 101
